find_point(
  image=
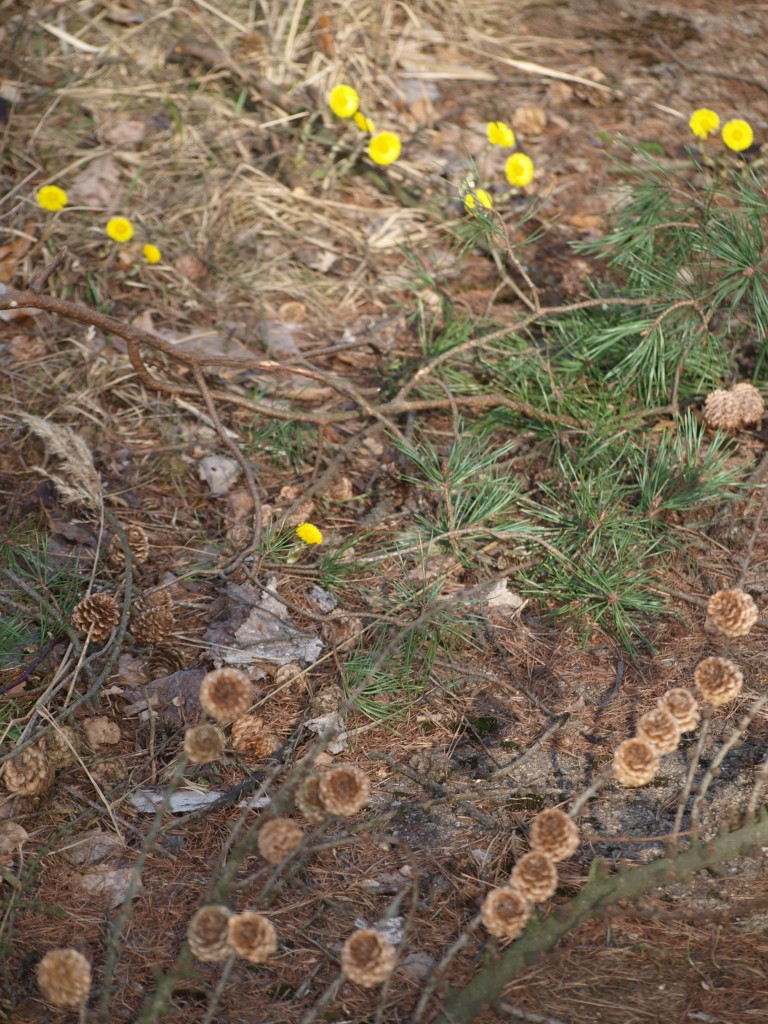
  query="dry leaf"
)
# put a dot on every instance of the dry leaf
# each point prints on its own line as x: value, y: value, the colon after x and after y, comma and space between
x: 123, y: 130
x: 529, y: 121
x: 191, y: 267
x: 90, y: 848
x: 111, y: 885
x: 12, y: 838
x: 99, y: 185
x: 219, y: 472
x: 101, y: 732
x: 81, y: 484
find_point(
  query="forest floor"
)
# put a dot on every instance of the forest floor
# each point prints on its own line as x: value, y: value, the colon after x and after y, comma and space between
x: 207, y: 125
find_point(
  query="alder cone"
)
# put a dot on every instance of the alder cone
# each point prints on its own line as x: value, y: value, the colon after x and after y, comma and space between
x: 535, y: 875
x: 98, y: 613
x: 252, y: 936
x: 278, y: 838
x: 718, y: 680
x: 505, y: 912
x: 64, y: 978
x: 204, y: 743
x: 153, y: 618
x: 733, y: 612
x: 208, y: 934
x: 138, y: 542
x: 29, y: 773
x: 681, y: 703
x: 226, y: 694
x: 635, y: 762
x: 661, y: 729
x: 308, y: 801
x: 368, y: 958
x: 344, y: 790
x: 554, y: 833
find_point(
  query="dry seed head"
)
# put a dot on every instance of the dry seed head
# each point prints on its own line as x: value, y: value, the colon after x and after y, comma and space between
x: 64, y: 978
x: 204, y: 743
x: 344, y: 790
x: 226, y: 693
x: 661, y: 729
x: 635, y: 762
x: 153, y: 617
x: 718, y: 680
x: 208, y: 934
x: 252, y: 936
x: 535, y: 875
x: 138, y: 542
x: 308, y: 801
x: 56, y: 749
x: 681, y: 703
x: 554, y: 833
x: 368, y: 958
x: 163, y: 660
x: 98, y: 613
x: 749, y: 403
x: 505, y: 912
x: 733, y: 612
x: 720, y: 410
x: 29, y: 773
x: 277, y: 838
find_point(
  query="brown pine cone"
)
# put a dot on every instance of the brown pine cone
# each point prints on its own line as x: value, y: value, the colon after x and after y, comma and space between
x: 635, y: 762
x: 308, y: 801
x: 138, y: 542
x: 748, y: 402
x: 98, y: 613
x: 553, y: 832
x: 277, y: 838
x: 535, y: 875
x: 226, y: 694
x: 661, y: 729
x: 249, y: 739
x: 163, y: 660
x: 721, y: 410
x: 204, y: 743
x: 153, y: 617
x: 368, y: 958
x: 252, y: 936
x: 208, y: 934
x: 29, y: 773
x: 718, y: 680
x: 733, y: 612
x: 681, y: 703
x: 64, y: 978
x: 56, y: 749
x: 344, y: 790
x: 505, y: 912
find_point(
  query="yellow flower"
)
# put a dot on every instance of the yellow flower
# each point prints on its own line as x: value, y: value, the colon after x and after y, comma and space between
x: 500, y: 134
x: 703, y: 122
x: 309, y: 534
x: 343, y: 101
x: 737, y: 135
x: 471, y: 200
x: 365, y: 124
x: 519, y: 170
x: 52, y: 198
x: 119, y: 229
x: 152, y: 254
x: 384, y: 148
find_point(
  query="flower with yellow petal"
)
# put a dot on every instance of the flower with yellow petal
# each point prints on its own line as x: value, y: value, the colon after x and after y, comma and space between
x: 309, y: 534
x: 738, y: 135
x: 151, y: 253
x: 474, y: 200
x: 500, y: 134
x: 119, y: 229
x: 343, y: 101
x: 519, y: 170
x: 52, y: 198
x: 365, y: 124
x: 703, y: 122
x: 384, y: 148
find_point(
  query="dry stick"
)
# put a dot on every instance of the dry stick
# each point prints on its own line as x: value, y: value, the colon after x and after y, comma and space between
x: 674, y: 837
x: 757, y: 789
x: 736, y: 734
x: 507, y: 769
x: 213, y: 1003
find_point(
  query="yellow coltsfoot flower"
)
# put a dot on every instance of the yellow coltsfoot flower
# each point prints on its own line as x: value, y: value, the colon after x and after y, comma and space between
x: 52, y: 198
x: 500, y: 134
x: 343, y: 101
x: 703, y: 122
x: 119, y: 229
x: 519, y: 170
x: 365, y: 124
x: 152, y: 254
x: 309, y: 534
x: 384, y: 148
x: 738, y: 135
x: 474, y: 200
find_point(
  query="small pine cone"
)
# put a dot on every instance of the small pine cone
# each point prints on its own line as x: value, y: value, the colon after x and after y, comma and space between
x: 505, y: 912
x: 635, y: 762
x: 368, y: 958
x: 308, y: 801
x: 138, y: 542
x: 344, y: 790
x: 718, y: 680
x: 208, y: 934
x: 252, y: 936
x: 29, y: 773
x: 661, y: 729
x: 681, y: 703
x: 721, y: 411
x: 204, y: 743
x: 226, y: 693
x: 64, y: 978
x: 553, y: 832
x: 246, y: 736
x: 56, y: 749
x: 163, y: 660
x: 535, y: 875
x: 153, y: 617
x: 733, y: 612
x: 748, y: 402
x: 277, y: 838
x: 98, y: 613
